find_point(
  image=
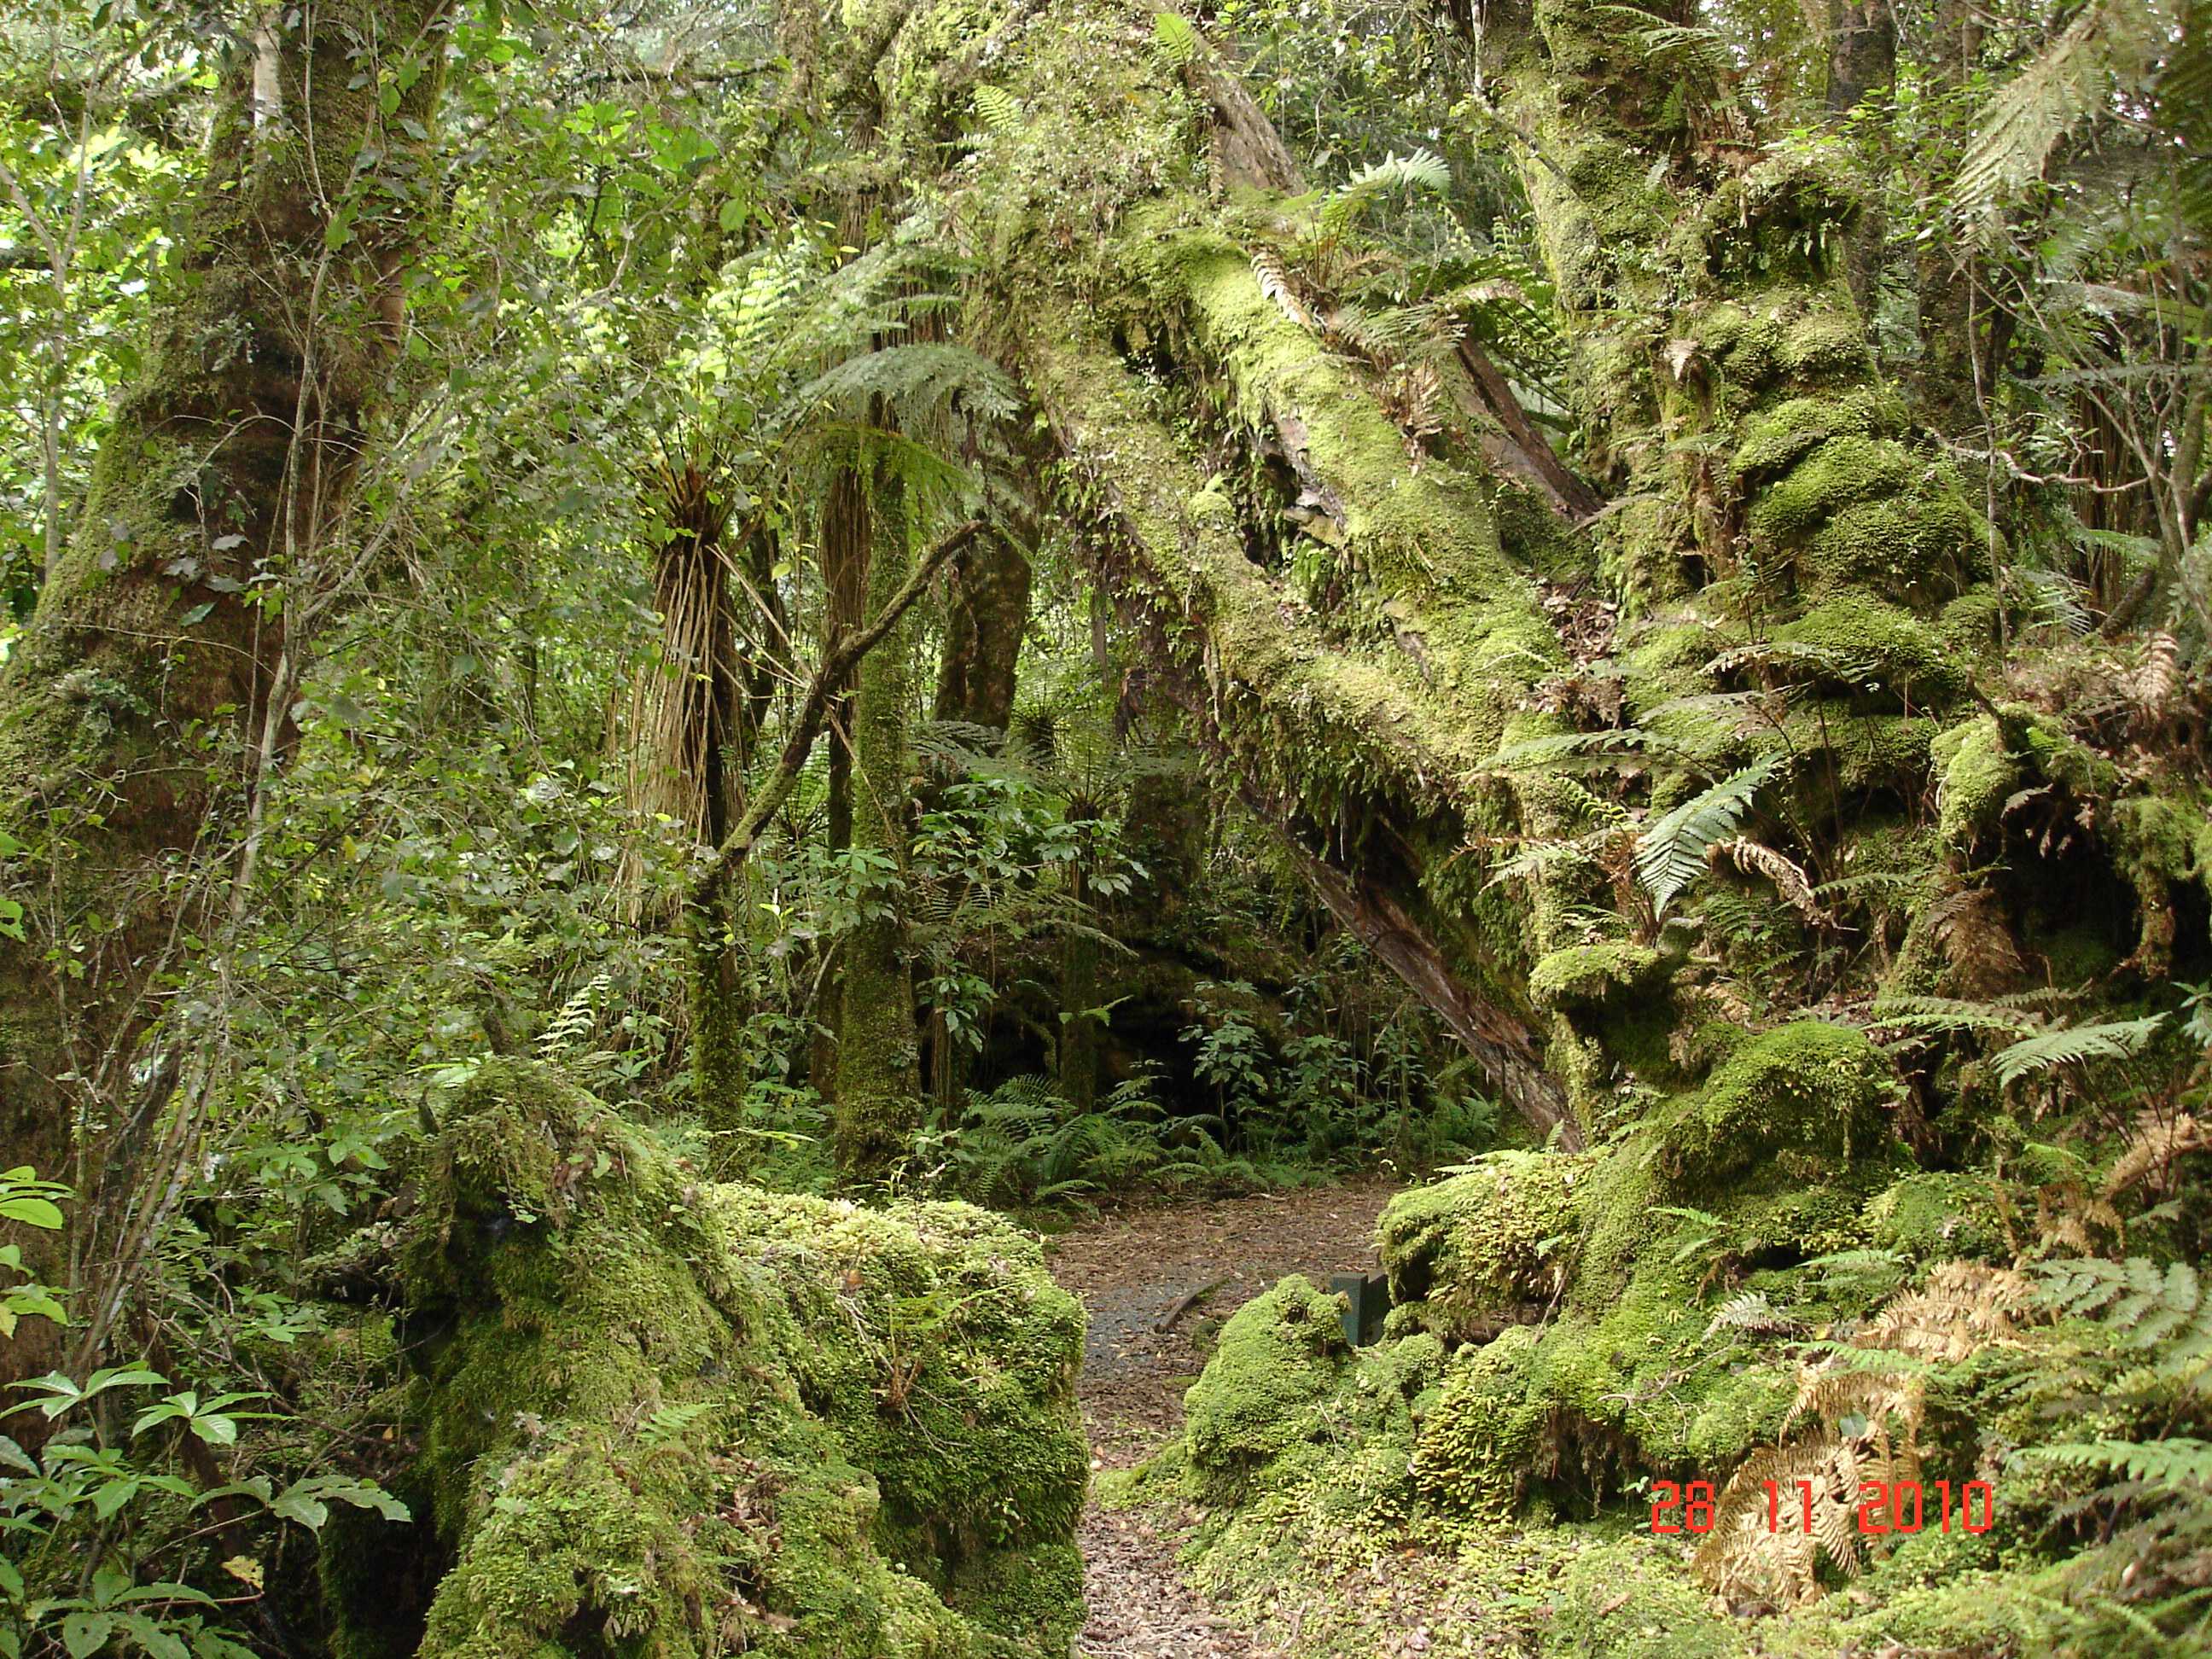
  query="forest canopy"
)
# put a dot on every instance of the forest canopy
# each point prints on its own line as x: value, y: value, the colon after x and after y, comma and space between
x: 684, y: 688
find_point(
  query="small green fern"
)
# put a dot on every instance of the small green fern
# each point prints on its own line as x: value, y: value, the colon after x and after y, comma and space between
x: 1670, y: 853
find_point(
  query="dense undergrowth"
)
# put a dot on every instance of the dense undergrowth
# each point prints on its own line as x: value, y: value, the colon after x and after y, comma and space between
x: 1783, y: 1274
x: 1609, y: 602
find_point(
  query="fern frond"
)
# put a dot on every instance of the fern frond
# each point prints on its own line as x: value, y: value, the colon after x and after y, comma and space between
x: 1945, y: 1014
x: 1554, y: 747
x: 2156, y: 1143
x: 1752, y: 1312
x: 1964, y: 1307
x: 1424, y: 170
x: 998, y: 109
x: 1268, y: 270
x: 2112, y: 46
x: 1757, y: 859
x: 2073, y: 1045
x: 918, y: 379
x: 1177, y: 38
x: 1671, y: 853
x: 2174, y: 1462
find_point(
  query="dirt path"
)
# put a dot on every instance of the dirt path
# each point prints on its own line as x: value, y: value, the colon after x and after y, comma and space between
x: 1131, y: 1266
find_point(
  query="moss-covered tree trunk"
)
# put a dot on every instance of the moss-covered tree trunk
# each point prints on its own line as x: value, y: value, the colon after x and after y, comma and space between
x: 986, y: 608
x: 146, y: 694
x: 878, y: 1060
x: 1796, y: 573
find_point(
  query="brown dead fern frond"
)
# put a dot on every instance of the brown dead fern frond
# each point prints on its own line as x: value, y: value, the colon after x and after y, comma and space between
x: 1756, y: 859
x: 2149, y: 1155
x: 2153, y: 687
x: 1767, y: 1544
x: 1964, y: 1307
x: 1275, y: 280
x: 1970, y: 924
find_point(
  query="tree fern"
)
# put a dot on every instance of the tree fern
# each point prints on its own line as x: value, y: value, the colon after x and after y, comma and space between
x: 2115, y: 46
x: 1671, y: 853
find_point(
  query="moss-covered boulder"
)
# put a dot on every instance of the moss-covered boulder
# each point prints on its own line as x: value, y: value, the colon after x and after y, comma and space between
x: 657, y: 1415
x: 1278, y: 1354
x: 1468, y: 1253
x: 1810, y: 1091
x: 1932, y: 1216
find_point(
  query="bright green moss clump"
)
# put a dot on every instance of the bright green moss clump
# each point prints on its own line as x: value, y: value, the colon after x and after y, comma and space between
x: 1809, y: 1089
x: 1940, y: 1217
x: 1590, y: 974
x: 1278, y: 1353
x: 681, y: 1416
x: 1472, y: 1250
x: 1480, y: 1442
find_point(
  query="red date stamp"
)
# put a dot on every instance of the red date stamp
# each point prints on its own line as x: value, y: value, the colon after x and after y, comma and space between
x: 1885, y: 1506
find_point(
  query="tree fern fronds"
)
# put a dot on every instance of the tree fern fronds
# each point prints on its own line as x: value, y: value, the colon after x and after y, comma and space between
x: 2114, y: 44
x: 1671, y: 853
x: 917, y: 378
x: 2073, y: 1045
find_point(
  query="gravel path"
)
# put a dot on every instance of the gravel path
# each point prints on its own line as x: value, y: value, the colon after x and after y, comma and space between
x: 1129, y: 1266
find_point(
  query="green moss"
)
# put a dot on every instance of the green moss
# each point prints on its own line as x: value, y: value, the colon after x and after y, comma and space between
x: 1836, y: 474
x: 1920, y: 549
x: 1632, y: 1600
x: 1479, y: 1443
x: 1279, y: 1354
x: 1810, y: 1088
x: 1777, y: 438
x: 689, y: 1414
x: 1866, y: 645
x: 1827, y: 343
x: 1466, y: 1252
x: 1980, y: 772
x: 1935, y: 1216
x: 1589, y: 975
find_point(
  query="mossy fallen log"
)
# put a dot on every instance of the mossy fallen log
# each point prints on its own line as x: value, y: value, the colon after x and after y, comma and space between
x: 655, y: 1414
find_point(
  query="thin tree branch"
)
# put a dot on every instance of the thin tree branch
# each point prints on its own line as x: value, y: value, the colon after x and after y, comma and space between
x: 836, y: 665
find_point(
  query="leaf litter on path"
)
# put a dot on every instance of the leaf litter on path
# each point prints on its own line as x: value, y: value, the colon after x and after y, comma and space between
x: 1131, y: 1267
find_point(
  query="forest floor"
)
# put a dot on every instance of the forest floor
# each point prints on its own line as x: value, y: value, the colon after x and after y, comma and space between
x: 1131, y: 1266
